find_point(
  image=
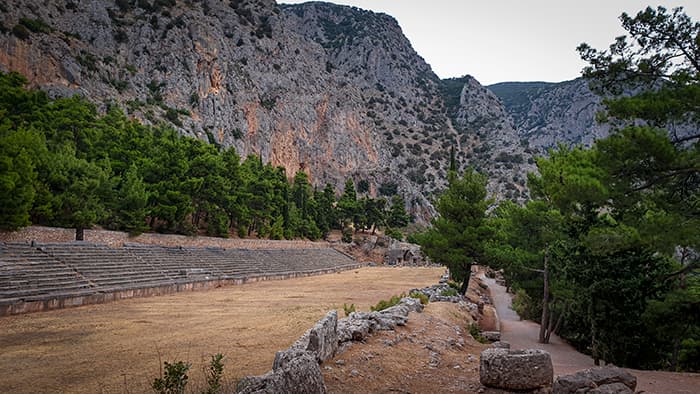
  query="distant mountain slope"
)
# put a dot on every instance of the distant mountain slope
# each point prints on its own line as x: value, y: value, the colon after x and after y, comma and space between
x: 548, y: 113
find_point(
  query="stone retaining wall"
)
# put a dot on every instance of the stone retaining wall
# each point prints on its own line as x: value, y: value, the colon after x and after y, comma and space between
x: 117, y: 239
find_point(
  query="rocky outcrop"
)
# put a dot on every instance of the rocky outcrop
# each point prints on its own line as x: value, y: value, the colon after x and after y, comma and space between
x: 300, y: 374
x: 487, y: 137
x: 516, y: 370
x: 321, y: 341
x: 545, y: 114
x: 332, y: 90
x: 596, y: 380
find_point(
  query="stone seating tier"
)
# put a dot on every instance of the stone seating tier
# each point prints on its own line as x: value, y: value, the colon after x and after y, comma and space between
x: 49, y: 272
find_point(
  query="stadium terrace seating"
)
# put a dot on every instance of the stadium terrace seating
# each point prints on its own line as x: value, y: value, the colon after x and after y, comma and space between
x: 46, y: 276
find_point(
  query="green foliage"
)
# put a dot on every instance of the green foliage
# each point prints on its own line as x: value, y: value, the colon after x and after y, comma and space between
x: 449, y: 292
x: 384, y: 304
x: 453, y: 284
x: 525, y: 306
x: 214, y: 374
x: 35, y: 25
x: 393, y: 233
x: 388, y: 189
x: 458, y: 236
x: 397, y: 216
x: 346, y: 235
x: 63, y: 164
x: 21, y: 32
x: 475, y: 332
x: 348, y: 309
x: 173, y: 380
x: 422, y: 297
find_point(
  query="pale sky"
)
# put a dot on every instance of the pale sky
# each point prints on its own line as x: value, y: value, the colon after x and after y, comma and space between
x: 509, y: 40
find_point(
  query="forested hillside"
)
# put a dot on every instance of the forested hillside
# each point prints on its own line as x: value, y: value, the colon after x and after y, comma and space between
x: 63, y: 164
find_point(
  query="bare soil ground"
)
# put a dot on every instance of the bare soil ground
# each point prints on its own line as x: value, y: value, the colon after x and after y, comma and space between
x: 118, y: 347
x: 432, y: 353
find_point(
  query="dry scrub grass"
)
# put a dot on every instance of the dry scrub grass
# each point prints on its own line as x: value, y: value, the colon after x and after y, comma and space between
x: 115, y: 347
x: 432, y: 353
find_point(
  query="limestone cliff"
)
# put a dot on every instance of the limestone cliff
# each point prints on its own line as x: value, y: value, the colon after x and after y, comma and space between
x: 332, y: 90
x: 546, y: 114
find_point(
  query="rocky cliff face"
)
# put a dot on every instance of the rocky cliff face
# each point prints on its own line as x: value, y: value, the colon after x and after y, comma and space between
x: 548, y: 113
x: 334, y: 91
x: 488, y: 137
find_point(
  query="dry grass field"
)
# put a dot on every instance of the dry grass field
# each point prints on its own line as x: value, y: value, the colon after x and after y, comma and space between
x: 116, y: 347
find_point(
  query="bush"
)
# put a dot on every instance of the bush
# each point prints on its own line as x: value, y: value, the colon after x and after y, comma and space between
x: 422, y: 297
x: 214, y: 373
x: 347, y: 235
x: 449, y: 292
x: 393, y: 233
x: 348, y: 309
x: 35, y: 25
x: 20, y: 32
x: 525, y: 306
x: 475, y: 332
x: 454, y: 285
x: 174, y: 380
x: 384, y: 304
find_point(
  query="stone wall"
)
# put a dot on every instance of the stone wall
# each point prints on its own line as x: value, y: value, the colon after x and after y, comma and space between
x: 117, y: 239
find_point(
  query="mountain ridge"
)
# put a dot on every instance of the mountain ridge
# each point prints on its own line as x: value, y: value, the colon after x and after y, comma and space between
x: 332, y: 90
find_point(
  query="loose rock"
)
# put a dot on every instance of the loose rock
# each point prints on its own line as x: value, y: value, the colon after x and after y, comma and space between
x: 516, y: 369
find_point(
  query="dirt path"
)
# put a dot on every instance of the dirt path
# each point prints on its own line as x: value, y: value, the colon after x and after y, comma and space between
x: 523, y: 334
x: 115, y: 347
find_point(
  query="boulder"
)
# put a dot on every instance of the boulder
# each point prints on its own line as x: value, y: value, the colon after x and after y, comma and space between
x: 352, y: 328
x: 501, y: 345
x: 413, y: 304
x: 323, y: 337
x: 300, y: 374
x: 596, y: 380
x: 507, y: 369
x: 492, y: 336
x: 321, y: 340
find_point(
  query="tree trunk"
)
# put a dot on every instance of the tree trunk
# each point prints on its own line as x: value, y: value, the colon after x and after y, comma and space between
x: 79, y: 234
x: 544, y: 322
x: 465, y: 284
x: 550, y: 323
x: 559, y: 320
x: 674, y: 355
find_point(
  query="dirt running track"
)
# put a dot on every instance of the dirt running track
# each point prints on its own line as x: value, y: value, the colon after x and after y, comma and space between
x: 115, y: 348
x: 524, y: 334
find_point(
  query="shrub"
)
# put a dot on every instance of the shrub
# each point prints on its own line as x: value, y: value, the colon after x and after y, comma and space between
x: 384, y: 304
x: 525, y: 306
x: 393, y: 233
x: 347, y: 235
x: 348, y: 309
x: 173, y: 116
x: 35, y: 25
x: 449, y: 292
x: 422, y: 297
x: 214, y: 373
x: 454, y: 285
x: 20, y: 32
x: 174, y: 380
x: 194, y: 98
x: 237, y: 133
x: 475, y: 332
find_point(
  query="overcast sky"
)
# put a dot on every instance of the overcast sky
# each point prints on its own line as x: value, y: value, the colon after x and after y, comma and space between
x: 509, y: 40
